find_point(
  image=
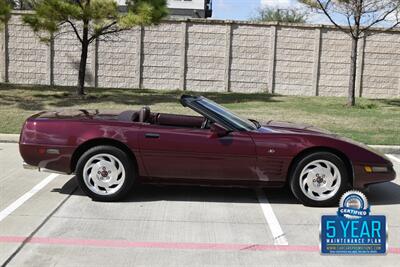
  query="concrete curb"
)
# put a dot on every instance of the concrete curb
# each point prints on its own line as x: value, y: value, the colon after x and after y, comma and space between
x: 9, y: 138
x: 14, y: 138
x: 386, y: 149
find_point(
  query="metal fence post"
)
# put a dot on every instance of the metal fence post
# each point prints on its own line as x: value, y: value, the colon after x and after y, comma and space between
x: 317, y: 60
x: 139, y: 57
x: 4, y: 54
x: 228, y: 54
x: 272, y: 63
x: 182, y: 81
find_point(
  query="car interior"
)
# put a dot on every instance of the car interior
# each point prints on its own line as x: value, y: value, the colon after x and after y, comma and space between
x: 144, y: 115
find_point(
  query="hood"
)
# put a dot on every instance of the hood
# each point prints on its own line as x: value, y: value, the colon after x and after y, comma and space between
x: 290, y: 127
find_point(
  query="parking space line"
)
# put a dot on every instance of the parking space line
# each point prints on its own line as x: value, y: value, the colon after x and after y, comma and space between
x: 393, y: 158
x: 162, y: 245
x: 273, y: 223
x: 17, y: 203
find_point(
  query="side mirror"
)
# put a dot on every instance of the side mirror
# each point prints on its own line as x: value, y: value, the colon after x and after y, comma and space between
x: 218, y: 130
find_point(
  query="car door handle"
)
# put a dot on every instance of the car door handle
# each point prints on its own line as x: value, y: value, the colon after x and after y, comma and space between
x: 152, y: 135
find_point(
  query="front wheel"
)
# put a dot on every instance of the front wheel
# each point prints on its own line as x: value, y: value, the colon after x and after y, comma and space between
x: 105, y: 173
x: 319, y: 179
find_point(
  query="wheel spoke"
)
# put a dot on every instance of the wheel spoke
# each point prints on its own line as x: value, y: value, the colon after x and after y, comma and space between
x: 115, y: 182
x: 96, y: 186
x: 305, y: 183
x: 318, y: 190
x: 318, y: 193
x: 112, y: 162
x: 330, y: 187
x: 306, y: 172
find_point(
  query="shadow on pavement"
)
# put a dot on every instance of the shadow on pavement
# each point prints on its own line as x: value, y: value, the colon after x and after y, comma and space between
x: 384, y: 194
x: 149, y: 193
x: 380, y: 194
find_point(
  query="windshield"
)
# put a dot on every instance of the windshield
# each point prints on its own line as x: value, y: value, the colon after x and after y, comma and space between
x: 229, y: 116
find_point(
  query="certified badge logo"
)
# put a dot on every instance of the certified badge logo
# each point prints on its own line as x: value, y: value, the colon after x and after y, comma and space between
x: 353, y: 230
x: 353, y: 205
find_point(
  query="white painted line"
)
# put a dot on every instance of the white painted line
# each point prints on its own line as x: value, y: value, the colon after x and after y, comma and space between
x: 393, y: 158
x: 17, y: 203
x: 273, y: 223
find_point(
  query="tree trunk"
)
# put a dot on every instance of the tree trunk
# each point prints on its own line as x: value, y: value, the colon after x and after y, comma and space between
x: 351, y: 97
x: 82, y: 63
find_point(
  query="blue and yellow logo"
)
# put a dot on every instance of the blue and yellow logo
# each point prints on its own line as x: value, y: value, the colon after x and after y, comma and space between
x: 353, y: 230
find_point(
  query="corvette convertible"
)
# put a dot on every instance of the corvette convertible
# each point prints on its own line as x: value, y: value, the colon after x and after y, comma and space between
x: 110, y: 152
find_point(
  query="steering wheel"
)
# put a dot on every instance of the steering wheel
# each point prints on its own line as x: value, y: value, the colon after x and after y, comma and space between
x: 205, y: 123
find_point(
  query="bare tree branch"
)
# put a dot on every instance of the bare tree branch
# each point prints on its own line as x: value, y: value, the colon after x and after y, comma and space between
x: 382, y: 18
x: 61, y: 33
x: 75, y: 30
x: 102, y: 31
x: 106, y: 33
x: 323, y: 8
x: 350, y: 28
x: 369, y: 33
x: 358, y: 13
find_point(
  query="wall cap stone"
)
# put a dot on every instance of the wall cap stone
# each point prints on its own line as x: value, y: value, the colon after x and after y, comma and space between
x: 249, y: 23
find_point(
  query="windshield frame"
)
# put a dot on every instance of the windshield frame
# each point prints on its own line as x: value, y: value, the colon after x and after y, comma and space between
x: 218, y: 113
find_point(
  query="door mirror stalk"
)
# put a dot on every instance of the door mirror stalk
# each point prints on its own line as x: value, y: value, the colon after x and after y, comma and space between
x: 218, y: 130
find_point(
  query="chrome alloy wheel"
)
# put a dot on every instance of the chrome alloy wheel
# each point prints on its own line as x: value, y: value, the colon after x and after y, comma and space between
x: 104, y: 174
x: 320, y: 180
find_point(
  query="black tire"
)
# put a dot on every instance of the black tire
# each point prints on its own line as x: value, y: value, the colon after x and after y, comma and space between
x: 127, y: 164
x: 302, y: 163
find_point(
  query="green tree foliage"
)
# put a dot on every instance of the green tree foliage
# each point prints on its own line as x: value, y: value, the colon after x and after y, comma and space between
x: 281, y: 15
x: 5, y: 10
x: 91, y: 19
x: 360, y: 16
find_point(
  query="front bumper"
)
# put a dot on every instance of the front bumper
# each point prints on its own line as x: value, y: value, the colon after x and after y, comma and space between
x: 363, y: 179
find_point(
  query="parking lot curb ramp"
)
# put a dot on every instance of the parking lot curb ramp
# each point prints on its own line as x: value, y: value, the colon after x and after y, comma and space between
x: 14, y: 138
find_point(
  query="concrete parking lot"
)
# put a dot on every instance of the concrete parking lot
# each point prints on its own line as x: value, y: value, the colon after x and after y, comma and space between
x: 45, y: 220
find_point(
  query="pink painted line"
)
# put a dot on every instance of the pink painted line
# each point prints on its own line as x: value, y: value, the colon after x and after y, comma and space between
x: 161, y: 245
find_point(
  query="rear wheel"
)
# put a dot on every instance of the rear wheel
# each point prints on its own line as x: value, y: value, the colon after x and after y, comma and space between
x: 105, y: 173
x: 319, y: 179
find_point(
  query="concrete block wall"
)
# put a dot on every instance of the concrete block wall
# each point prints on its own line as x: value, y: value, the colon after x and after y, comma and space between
x: 250, y: 57
x: 334, y: 63
x: 294, y: 61
x: 205, y: 63
x: 26, y: 54
x: 161, y: 56
x: 381, y: 66
x: 66, y: 56
x: 116, y: 60
x: 199, y: 55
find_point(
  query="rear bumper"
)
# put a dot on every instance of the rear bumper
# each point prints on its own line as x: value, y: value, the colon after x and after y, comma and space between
x: 41, y: 157
x: 31, y: 167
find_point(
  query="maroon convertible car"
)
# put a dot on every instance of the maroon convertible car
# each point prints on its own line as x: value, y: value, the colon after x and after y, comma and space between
x: 109, y: 152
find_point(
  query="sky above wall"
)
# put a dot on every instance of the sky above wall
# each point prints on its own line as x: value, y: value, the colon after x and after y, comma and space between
x: 246, y: 9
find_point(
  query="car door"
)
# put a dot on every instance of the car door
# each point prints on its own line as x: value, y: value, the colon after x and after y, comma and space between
x: 185, y: 153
